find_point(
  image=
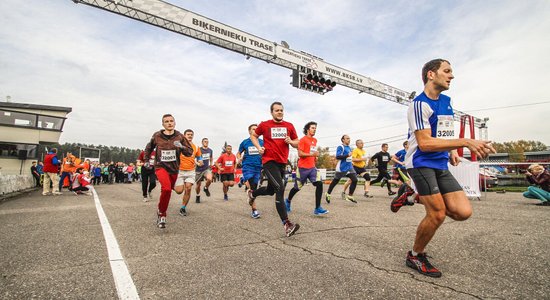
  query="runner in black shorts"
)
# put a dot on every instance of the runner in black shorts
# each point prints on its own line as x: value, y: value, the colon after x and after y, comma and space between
x: 432, y: 145
x: 383, y: 158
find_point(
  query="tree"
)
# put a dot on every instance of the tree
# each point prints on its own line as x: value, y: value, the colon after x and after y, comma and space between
x: 517, y: 149
x: 325, y: 160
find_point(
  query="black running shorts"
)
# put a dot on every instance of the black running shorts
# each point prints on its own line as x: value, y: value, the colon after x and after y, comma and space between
x: 430, y: 181
x: 227, y: 177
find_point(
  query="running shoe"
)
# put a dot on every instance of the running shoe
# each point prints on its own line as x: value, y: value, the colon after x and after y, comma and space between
x: 161, y: 222
x: 350, y: 199
x: 145, y: 199
x: 183, y: 212
x: 45, y: 194
x: 150, y: 195
x: 74, y: 192
x: 320, y: 211
x: 383, y: 182
x: 327, y: 197
x: 291, y: 228
x: 251, y: 197
x: 57, y: 193
x: 255, y: 214
x: 421, y: 264
x: 225, y: 198
x: 343, y: 194
x: 240, y: 185
x: 366, y: 194
x: 287, y: 204
x: 391, y: 193
x: 402, y: 198
x: 198, y: 199
x: 545, y: 203
x: 206, y: 191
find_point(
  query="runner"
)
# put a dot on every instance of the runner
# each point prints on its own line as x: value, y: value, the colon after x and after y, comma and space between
x: 359, y: 161
x: 382, y: 159
x: 167, y: 144
x: 251, y: 161
x: 308, y: 153
x: 204, y: 172
x: 278, y: 134
x: 343, y: 168
x: 148, y: 177
x: 431, y: 127
x: 399, y: 170
x: 226, y: 164
x: 186, y: 174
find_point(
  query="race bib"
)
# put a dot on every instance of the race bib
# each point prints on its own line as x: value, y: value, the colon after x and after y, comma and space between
x: 152, y: 161
x: 167, y: 155
x: 206, y: 156
x: 312, y: 149
x: 228, y: 163
x: 253, y: 151
x: 385, y: 158
x: 445, y: 127
x: 278, y: 133
x: 348, y: 159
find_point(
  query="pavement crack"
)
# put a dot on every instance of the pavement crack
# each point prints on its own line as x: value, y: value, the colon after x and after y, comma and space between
x: 389, y: 271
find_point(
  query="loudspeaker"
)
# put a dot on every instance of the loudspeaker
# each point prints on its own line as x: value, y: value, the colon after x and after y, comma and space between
x: 22, y: 154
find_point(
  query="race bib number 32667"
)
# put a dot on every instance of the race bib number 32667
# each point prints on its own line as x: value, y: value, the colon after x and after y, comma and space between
x: 278, y: 133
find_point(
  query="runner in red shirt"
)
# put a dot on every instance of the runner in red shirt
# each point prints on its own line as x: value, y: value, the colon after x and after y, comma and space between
x: 167, y: 145
x: 278, y: 134
x: 226, y: 164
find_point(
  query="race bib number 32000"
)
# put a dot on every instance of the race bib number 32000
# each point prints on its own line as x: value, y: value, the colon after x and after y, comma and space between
x: 445, y: 127
x: 168, y: 155
x: 278, y: 133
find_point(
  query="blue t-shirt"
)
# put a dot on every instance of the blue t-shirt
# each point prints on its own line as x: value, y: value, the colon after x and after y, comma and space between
x: 436, y: 115
x: 251, y: 157
x: 401, y: 157
x: 343, y: 165
x: 206, y: 154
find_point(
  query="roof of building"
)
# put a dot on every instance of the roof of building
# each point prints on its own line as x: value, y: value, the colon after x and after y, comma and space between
x: 35, y: 106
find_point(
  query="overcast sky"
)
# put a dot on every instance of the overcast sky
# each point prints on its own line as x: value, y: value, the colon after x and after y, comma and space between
x: 120, y: 76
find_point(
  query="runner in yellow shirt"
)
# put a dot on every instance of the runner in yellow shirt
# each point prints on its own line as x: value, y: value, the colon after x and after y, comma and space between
x: 359, y: 162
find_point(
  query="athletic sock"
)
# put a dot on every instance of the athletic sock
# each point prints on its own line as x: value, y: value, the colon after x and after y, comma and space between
x: 414, y: 253
x: 183, y: 206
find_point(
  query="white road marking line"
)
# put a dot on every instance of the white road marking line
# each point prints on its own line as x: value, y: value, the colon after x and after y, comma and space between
x: 124, y: 284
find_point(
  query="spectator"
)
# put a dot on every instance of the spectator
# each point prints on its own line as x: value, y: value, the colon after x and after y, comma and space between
x: 539, y: 179
x: 35, y: 174
x: 51, y: 169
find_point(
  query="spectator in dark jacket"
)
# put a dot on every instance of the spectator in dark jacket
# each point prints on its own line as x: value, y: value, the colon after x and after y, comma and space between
x: 540, y: 184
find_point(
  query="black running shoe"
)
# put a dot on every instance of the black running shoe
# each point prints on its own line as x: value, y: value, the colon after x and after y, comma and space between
x: 161, y: 222
x: 391, y: 193
x: 206, y: 191
x: 291, y: 228
x: 383, y: 182
x: 198, y: 199
x: 421, y: 264
x: 183, y: 212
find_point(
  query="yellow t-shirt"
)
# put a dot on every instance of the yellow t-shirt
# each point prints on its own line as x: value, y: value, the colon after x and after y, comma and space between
x: 358, y: 153
x: 188, y: 163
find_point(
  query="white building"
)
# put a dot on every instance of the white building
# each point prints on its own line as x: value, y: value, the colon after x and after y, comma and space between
x: 23, y: 128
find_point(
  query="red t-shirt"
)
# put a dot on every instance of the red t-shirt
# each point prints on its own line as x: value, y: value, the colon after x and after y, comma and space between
x: 274, y: 140
x: 228, y: 162
x: 307, y: 145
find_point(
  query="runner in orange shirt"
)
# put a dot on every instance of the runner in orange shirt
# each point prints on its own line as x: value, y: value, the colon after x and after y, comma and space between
x: 186, y: 174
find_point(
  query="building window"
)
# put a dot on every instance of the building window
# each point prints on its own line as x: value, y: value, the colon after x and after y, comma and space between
x: 49, y: 122
x: 20, y: 151
x: 21, y: 119
x: 17, y: 118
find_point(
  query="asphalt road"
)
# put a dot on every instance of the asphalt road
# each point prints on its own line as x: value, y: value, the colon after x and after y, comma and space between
x: 54, y: 248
